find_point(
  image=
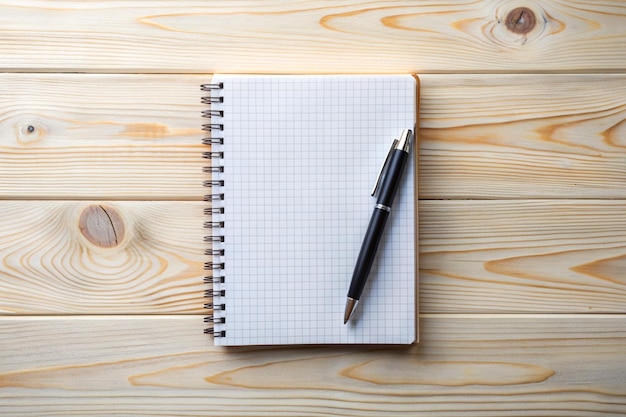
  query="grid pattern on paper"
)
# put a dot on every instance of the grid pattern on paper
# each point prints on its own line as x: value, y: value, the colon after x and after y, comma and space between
x: 300, y: 155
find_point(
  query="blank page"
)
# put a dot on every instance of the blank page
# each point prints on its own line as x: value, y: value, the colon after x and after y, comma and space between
x: 301, y: 154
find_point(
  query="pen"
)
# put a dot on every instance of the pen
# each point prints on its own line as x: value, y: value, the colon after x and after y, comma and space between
x: 392, y: 169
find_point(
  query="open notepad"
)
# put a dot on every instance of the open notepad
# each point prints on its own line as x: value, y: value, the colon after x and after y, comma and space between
x: 292, y: 202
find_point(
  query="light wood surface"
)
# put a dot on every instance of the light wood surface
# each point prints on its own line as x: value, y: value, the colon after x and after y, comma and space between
x: 52, y: 264
x: 478, y: 256
x: 469, y: 365
x: 522, y: 208
x: 311, y: 36
x: 523, y: 136
x: 480, y: 137
x: 101, y: 136
x: 523, y: 256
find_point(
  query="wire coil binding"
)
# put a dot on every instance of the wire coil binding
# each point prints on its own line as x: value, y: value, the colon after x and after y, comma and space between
x: 215, y: 267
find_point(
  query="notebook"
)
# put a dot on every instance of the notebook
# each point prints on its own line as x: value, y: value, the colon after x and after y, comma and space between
x: 292, y: 164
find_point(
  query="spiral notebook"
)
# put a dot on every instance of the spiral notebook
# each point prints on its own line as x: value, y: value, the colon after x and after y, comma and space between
x: 292, y: 163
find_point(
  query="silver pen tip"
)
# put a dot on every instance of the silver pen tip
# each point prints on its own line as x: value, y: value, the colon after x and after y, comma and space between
x: 350, y: 304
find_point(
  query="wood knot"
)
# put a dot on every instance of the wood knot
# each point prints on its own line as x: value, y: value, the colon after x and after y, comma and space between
x: 521, y: 20
x: 29, y: 133
x: 102, y: 226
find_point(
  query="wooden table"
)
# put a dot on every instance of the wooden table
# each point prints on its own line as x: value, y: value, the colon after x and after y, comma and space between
x: 522, y: 207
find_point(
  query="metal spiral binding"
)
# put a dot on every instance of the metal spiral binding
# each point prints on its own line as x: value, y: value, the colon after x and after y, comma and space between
x: 215, y: 278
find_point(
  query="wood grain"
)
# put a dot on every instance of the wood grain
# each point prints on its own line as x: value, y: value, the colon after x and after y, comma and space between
x: 502, y: 136
x: 69, y: 136
x: 310, y: 36
x: 523, y: 256
x: 496, y: 136
x: 52, y: 263
x: 475, y: 256
x: 465, y: 366
x: 521, y: 176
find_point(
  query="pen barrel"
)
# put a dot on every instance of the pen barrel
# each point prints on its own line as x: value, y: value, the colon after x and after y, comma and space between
x: 391, y: 181
x: 368, y: 252
x: 388, y: 188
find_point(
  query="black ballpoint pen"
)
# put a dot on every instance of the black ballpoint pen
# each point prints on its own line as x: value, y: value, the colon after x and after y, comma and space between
x: 387, y: 187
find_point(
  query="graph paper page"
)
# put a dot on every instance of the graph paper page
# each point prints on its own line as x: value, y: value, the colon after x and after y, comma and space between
x: 301, y: 154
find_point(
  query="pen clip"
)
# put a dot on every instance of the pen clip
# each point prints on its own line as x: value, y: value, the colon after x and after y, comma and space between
x: 382, y: 167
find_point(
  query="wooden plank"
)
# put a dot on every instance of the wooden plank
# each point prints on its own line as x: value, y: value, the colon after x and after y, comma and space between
x: 482, y: 136
x: 101, y: 136
x: 313, y: 36
x: 523, y: 256
x: 96, y: 257
x: 539, y: 136
x: 465, y: 366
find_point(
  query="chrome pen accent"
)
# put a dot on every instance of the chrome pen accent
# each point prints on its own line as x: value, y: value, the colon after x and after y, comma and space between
x: 381, y: 207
